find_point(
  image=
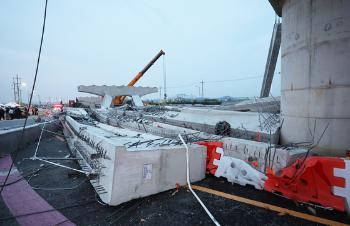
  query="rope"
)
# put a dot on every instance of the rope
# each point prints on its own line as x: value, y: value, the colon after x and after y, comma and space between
x: 63, y: 166
x: 37, y: 145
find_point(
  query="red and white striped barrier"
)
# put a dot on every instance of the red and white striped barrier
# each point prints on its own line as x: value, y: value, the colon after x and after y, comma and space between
x: 318, y: 180
x: 321, y: 180
x: 343, y: 191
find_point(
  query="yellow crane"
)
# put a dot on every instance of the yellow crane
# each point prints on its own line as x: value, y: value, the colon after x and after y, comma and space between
x: 120, y: 99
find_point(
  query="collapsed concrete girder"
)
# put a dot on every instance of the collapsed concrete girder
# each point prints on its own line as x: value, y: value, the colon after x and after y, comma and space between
x: 117, y: 90
x: 126, y: 164
x: 267, y: 104
x: 90, y: 101
x: 110, y: 92
x: 247, y: 125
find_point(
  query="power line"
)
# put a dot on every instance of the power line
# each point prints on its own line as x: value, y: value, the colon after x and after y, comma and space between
x: 234, y: 80
x: 215, y: 81
x: 30, y: 101
x: 183, y: 86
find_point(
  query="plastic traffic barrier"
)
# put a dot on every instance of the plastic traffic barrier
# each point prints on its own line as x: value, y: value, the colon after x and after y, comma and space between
x: 238, y: 171
x: 321, y: 180
x: 212, y: 155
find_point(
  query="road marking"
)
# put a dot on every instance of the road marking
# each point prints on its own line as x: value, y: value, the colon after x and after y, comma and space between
x: 268, y: 206
x: 24, y: 202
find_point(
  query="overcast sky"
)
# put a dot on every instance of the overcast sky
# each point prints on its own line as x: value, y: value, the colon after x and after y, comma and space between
x: 108, y: 42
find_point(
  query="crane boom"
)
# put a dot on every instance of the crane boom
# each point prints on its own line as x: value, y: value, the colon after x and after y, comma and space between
x: 119, y: 100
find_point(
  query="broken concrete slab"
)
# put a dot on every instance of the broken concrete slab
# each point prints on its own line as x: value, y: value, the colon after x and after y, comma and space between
x: 129, y: 164
x: 160, y: 129
x: 262, y: 152
x: 76, y: 112
x: 267, y: 104
x: 246, y: 125
x: 265, y: 154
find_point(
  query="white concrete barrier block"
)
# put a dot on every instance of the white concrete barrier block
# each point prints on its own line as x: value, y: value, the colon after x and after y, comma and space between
x: 238, y: 171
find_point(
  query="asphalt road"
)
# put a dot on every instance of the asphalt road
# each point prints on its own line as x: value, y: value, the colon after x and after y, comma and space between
x: 15, y: 123
x: 166, y: 208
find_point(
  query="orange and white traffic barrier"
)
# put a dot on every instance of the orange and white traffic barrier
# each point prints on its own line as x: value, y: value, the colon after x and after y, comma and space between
x: 318, y: 180
x: 321, y: 180
x: 343, y: 191
x: 233, y: 169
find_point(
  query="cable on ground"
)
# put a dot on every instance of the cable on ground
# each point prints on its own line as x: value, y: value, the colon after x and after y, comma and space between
x: 189, y: 184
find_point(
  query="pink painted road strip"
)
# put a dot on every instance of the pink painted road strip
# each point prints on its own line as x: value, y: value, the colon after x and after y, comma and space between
x: 21, y: 199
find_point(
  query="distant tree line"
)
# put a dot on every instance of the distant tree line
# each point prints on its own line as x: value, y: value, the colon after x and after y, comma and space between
x: 203, y: 101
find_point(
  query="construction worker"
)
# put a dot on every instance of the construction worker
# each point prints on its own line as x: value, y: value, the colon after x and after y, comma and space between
x: 26, y: 112
x: 16, y: 113
x: 2, y: 114
x: 11, y: 113
x: 7, y: 115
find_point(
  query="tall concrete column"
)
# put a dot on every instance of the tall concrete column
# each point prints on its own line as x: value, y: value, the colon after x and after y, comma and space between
x: 315, y: 89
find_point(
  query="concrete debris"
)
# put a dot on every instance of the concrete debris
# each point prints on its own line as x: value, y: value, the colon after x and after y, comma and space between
x: 156, y: 128
x: 264, y: 154
x: 244, y: 125
x: 267, y: 156
x: 76, y: 112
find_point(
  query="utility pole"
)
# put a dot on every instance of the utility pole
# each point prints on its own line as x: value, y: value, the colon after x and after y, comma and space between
x: 17, y: 90
x: 202, y: 88
x: 164, y: 77
x: 160, y: 93
x: 14, y: 90
x: 39, y: 100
